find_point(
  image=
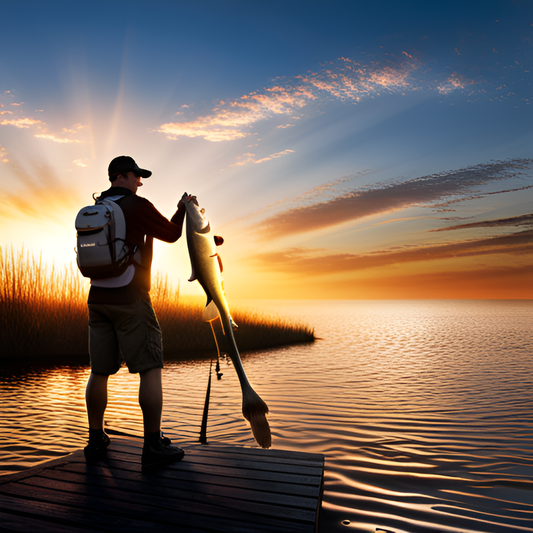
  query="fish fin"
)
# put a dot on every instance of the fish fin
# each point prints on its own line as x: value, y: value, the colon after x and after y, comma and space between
x: 210, y: 311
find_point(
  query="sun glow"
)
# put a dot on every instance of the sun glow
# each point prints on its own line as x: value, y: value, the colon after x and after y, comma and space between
x: 312, y: 176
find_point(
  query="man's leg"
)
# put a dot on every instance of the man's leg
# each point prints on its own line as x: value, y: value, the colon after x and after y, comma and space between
x: 96, y: 400
x: 156, y: 452
x: 151, y: 400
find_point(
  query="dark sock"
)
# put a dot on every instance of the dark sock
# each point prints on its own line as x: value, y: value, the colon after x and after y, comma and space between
x: 96, y: 435
x: 152, y: 438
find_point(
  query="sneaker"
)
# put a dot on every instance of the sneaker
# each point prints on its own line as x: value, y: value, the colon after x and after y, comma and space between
x: 159, y: 454
x: 96, y: 449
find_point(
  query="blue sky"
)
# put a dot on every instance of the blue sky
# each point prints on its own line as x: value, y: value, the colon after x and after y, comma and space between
x: 333, y: 144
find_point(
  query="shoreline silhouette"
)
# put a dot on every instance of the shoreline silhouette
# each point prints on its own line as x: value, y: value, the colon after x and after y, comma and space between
x: 43, y: 314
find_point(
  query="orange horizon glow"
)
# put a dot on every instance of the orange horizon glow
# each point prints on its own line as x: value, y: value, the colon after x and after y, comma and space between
x: 390, y: 246
x: 445, y: 279
x: 487, y: 284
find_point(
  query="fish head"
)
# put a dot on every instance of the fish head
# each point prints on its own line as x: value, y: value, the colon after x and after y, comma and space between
x: 196, y: 218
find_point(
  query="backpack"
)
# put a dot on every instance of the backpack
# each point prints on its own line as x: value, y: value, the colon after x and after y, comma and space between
x: 101, y: 249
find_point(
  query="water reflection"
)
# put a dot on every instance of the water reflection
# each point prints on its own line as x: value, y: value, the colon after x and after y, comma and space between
x: 423, y: 409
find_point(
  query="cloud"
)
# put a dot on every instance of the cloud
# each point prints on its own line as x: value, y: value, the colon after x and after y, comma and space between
x: 328, y: 189
x: 274, y: 156
x: 372, y: 200
x: 55, y: 138
x: 203, y: 127
x: 66, y: 137
x: 21, y: 122
x: 230, y: 120
x: 3, y: 154
x: 455, y: 81
x: 352, y: 80
x: 250, y: 158
x: 42, y: 129
x: 521, y: 220
x: 308, y: 262
x: 345, y: 80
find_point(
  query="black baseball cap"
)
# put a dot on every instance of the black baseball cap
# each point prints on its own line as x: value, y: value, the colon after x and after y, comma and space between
x: 124, y: 164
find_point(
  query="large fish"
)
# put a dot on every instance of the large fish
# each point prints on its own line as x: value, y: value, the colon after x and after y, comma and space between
x: 207, y: 269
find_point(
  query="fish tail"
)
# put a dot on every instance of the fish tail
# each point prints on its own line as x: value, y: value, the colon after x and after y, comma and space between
x: 260, y: 429
x: 255, y: 410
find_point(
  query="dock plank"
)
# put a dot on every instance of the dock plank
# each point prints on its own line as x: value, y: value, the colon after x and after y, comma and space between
x: 195, y: 490
x: 235, y: 464
x: 16, y: 522
x: 214, y: 488
x: 115, y: 514
x: 117, y: 462
x: 201, y: 474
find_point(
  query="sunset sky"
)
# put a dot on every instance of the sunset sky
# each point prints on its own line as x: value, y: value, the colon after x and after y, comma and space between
x: 343, y: 149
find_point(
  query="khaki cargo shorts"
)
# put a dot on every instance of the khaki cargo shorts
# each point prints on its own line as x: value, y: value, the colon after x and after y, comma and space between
x: 129, y: 333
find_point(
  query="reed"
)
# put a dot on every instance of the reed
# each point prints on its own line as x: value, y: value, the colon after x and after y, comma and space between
x: 43, y: 314
x: 42, y: 310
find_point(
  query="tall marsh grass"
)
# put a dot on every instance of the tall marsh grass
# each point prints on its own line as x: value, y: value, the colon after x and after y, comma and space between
x: 43, y: 314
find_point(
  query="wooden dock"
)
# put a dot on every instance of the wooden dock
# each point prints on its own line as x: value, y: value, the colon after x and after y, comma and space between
x: 214, y: 489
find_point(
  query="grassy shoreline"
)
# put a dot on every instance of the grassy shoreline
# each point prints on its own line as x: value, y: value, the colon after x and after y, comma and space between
x: 43, y: 317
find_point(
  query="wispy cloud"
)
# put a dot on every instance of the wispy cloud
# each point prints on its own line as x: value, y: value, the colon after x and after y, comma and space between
x: 307, y: 262
x: 42, y: 131
x: 371, y: 200
x: 344, y: 79
x: 24, y: 122
x: 231, y: 120
x: 522, y: 220
x: 354, y: 80
x: 56, y: 138
x: 248, y: 158
x: 327, y: 190
x: 455, y: 81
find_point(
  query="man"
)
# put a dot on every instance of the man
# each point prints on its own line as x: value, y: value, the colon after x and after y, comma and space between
x: 122, y: 323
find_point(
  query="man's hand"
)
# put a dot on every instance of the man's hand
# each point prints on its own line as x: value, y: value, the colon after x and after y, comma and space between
x: 187, y: 198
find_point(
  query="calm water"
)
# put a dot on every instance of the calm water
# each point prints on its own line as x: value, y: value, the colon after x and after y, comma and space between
x: 424, y: 410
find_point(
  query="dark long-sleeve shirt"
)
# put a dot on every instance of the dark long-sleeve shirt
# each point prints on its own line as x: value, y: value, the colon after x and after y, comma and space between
x: 143, y: 224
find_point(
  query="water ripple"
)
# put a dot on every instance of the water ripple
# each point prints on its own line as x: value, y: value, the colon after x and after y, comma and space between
x: 424, y: 411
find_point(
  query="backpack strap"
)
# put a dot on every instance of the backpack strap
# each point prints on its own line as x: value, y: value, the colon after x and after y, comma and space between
x: 134, y: 252
x: 112, y: 198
